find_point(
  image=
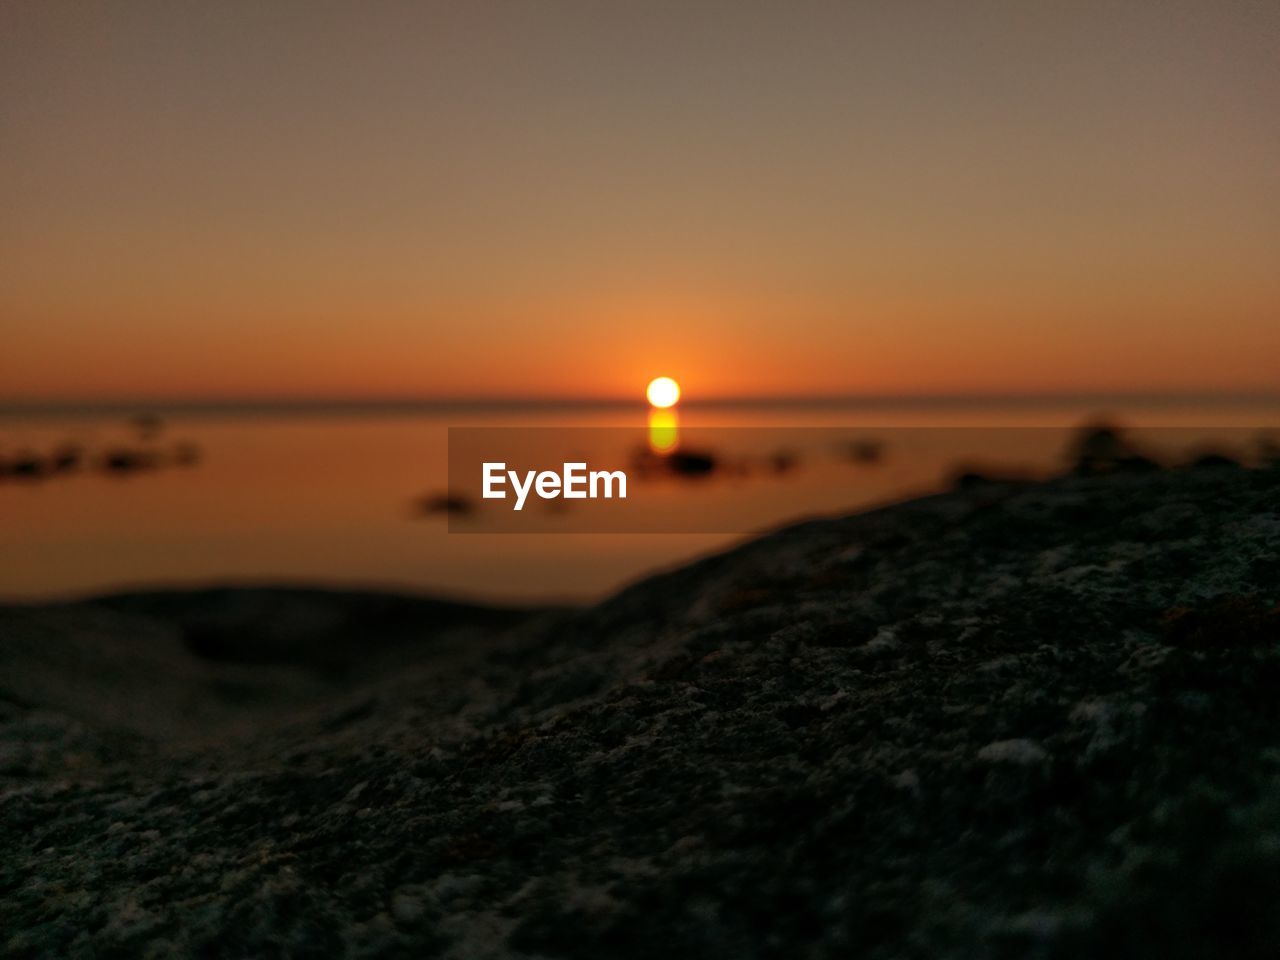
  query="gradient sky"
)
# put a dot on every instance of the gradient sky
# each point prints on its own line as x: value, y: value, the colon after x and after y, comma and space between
x: 286, y: 199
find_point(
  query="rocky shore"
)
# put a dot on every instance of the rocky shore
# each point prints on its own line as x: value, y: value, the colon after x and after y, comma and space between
x: 1014, y: 720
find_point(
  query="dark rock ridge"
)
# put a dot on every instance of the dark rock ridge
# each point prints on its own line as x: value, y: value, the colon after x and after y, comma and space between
x: 1009, y: 721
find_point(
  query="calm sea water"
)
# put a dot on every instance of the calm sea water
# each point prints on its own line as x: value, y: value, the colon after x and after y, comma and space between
x: 334, y: 496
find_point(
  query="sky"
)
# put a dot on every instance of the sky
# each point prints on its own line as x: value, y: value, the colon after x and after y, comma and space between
x: 312, y: 199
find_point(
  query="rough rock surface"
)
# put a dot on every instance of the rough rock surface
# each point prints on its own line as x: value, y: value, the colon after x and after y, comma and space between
x: 1013, y: 720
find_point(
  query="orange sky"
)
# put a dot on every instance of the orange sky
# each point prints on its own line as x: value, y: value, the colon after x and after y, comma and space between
x: 404, y: 199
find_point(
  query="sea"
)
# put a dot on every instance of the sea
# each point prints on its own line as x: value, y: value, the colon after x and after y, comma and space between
x: 98, y: 498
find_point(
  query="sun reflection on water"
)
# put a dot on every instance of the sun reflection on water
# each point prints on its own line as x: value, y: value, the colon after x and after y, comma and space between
x: 664, y: 431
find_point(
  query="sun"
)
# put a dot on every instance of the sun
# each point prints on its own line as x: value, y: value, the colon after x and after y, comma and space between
x: 663, y: 392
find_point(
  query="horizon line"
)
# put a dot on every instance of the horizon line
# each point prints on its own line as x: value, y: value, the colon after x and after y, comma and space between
x: 34, y: 406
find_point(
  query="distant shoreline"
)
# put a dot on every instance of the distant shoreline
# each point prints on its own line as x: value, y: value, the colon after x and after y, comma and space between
x: 318, y: 406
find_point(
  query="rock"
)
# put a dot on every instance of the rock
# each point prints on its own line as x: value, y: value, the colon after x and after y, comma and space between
x: 690, y: 463
x: 1214, y: 460
x: 1021, y: 752
x: 865, y: 452
x: 27, y: 466
x: 1041, y: 723
x: 1104, y: 448
x: 122, y: 460
x: 448, y: 504
x: 783, y: 461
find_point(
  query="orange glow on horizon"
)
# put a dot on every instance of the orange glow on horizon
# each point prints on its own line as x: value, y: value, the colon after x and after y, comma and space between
x: 881, y: 212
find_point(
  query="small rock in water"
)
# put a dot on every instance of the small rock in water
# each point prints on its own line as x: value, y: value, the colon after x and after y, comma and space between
x: 450, y: 504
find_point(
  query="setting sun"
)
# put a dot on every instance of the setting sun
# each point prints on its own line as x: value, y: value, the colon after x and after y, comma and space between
x: 663, y: 392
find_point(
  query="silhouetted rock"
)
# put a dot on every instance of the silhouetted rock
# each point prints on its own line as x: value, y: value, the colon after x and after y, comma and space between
x: 691, y: 463
x: 1103, y: 448
x: 26, y: 465
x: 647, y: 464
x: 864, y: 452
x: 970, y: 476
x: 1213, y: 460
x: 29, y: 465
x: 450, y: 504
x: 783, y: 461
x: 966, y: 478
x: 66, y: 458
x: 125, y: 461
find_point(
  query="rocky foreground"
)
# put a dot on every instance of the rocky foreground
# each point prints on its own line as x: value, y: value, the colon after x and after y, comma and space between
x: 1012, y: 720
